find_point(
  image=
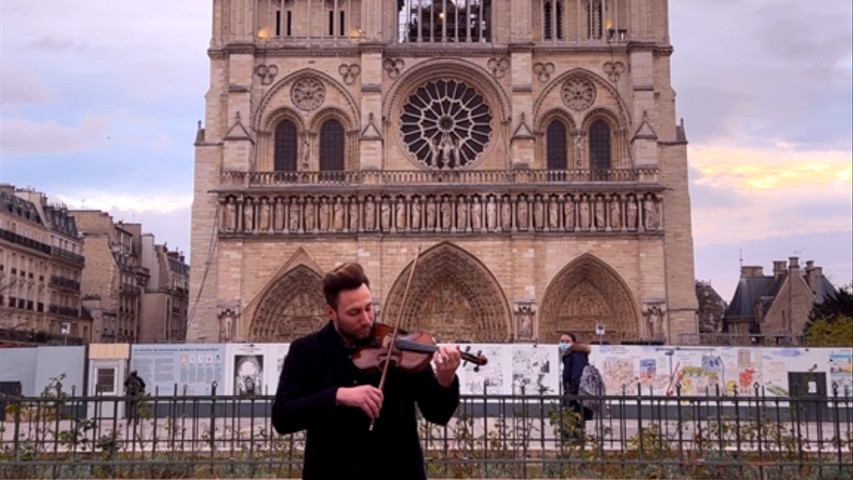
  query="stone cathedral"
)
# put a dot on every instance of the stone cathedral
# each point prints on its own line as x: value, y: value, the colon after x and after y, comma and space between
x: 529, y: 151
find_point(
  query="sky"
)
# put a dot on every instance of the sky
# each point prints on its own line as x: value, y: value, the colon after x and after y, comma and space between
x: 99, y: 104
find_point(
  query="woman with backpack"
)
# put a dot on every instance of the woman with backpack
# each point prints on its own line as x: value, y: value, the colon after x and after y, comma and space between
x: 575, y: 356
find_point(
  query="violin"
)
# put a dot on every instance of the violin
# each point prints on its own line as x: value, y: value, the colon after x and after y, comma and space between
x: 411, y: 352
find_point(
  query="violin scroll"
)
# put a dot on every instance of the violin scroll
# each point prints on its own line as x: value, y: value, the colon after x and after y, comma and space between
x: 478, y: 360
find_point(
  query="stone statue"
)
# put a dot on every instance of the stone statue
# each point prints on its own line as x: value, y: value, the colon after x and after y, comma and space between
x: 264, y: 220
x: 306, y: 153
x: 416, y: 214
x: 462, y: 215
x: 578, y: 151
x: 446, y: 214
x: 538, y: 214
x: 338, y: 215
x: 584, y: 213
x: 294, y: 216
x: 278, y: 215
x: 248, y: 215
x: 324, y: 215
x: 401, y: 214
x: 310, y: 216
x: 476, y: 215
x: 445, y: 151
x: 615, y: 213
x: 369, y: 215
x: 231, y: 216
x: 385, y: 215
x: 569, y: 214
x: 523, y: 214
x: 650, y: 211
x: 353, y: 215
x: 506, y: 214
x: 631, y: 213
x: 226, y: 326
x: 491, y: 215
x: 430, y: 215
x: 600, y: 222
x: 553, y: 215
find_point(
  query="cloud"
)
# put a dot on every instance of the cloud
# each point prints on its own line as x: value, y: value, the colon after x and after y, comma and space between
x: 99, y: 199
x: 21, y: 87
x: 171, y: 227
x: 49, y: 137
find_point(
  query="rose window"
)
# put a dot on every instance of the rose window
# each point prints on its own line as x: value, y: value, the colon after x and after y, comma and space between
x: 446, y: 124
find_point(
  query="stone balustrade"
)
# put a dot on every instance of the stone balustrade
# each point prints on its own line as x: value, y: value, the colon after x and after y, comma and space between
x: 628, y: 211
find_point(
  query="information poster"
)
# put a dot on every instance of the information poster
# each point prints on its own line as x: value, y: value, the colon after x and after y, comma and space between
x: 192, y: 368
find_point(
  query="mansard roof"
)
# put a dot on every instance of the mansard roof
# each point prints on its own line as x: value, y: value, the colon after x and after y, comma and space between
x: 14, y: 205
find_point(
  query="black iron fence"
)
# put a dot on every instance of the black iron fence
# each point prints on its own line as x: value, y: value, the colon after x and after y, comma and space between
x: 714, y: 436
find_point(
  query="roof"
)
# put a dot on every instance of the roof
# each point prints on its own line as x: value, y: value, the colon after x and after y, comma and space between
x: 749, y: 290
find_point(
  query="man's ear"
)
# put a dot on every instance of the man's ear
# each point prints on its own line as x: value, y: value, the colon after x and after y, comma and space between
x: 330, y: 312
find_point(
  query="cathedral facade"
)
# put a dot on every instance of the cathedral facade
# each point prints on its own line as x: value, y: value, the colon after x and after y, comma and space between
x: 528, y: 150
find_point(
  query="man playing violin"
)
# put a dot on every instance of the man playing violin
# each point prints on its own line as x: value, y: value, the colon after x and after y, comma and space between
x: 322, y: 391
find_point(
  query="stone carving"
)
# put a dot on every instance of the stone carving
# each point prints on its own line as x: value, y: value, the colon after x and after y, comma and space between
x: 651, y: 214
x: 476, y: 215
x: 462, y: 215
x: 325, y: 210
x: 491, y: 215
x: 310, y: 216
x: 278, y: 215
x: 295, y: 215
x: 306, y: 152
x: 393, y: 66
x: 264, y: 220
x: 614, y: 70
x: 349, y: 72
x: 523, y: 213
x: 446, y: 214
x: 654, y: 314
x: 543, y: 71
x: 369, y: 215
x: 631, y: 214
x: 248, y: 215
x: 525, y: 312
x: 584, y: 213
x: 308, y: 93
x: 569, y: 214
x: 227, y: 320
x: 401, y: 214
x: 416, y: 214
x: 498, y: 66
x: 430, y: 215
x: 553, y: 214
x: 579, y: 150
x: 353, y: 215
x: 578, y: 93
x: 615, y: 213
x: 385, y: 215
x: 267, y: 73
x: 231, y: 216
x: 600, y: 221
x: 506, y: 214
x: 338, y: 215
x: 538, y: 214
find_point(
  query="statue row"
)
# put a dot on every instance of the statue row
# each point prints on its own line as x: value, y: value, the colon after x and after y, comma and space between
x: 427, y: 214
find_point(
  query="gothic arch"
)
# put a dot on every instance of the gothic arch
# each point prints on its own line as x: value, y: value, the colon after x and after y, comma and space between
x: 453, y: 296
x: 583, y: 293
x: 290, y: 307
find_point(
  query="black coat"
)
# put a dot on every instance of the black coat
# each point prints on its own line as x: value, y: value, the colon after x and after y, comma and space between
x: 573, y: 362
x: 339, y: 444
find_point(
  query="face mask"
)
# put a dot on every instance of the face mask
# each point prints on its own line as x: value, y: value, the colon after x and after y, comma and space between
x: 565, y: 346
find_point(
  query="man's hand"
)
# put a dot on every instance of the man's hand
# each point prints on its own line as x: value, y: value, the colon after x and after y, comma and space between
x: 447, y: 360
x: 365, y: 397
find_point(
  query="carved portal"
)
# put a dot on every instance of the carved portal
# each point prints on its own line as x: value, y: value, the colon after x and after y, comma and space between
x: 454, y: 297
x: 293, y: 307
x: 584, y: 293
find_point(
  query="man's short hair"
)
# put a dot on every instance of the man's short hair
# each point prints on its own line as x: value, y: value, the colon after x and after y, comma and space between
x: 348, y: 276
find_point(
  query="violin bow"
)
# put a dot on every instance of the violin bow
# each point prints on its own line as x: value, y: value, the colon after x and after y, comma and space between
x: 397, y: 325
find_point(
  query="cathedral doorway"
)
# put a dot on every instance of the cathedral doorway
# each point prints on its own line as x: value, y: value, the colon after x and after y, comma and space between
x: 587, y: 292
x: 453, y: 296
x: 291, y: 308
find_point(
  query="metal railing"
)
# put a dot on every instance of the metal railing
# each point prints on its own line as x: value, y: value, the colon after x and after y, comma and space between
x: 490, y: 436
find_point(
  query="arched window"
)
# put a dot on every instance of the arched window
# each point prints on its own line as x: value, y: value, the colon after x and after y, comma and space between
x: 594, y: 19
x: 555, y: 139
x: 332, y: 144
x: 285, y: 147
x: 599, y: 146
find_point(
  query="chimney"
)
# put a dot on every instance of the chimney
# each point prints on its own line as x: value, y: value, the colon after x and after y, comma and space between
x: 813, y: 275
x: 794, y: 264
x: 779, y: 268
x: 751, y: 271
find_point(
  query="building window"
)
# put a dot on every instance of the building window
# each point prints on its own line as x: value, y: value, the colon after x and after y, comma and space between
x: 594, y: 17
x: 332, y: 146
x: 552, y: 16
x: 555, y: 138
x: 459, y: 21
x: 285, y: 147
x: 599, y: 146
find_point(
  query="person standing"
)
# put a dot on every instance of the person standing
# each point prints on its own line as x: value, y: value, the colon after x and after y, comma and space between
x: 134, y: 388
x: 575, y: 356
x: 320, y: 390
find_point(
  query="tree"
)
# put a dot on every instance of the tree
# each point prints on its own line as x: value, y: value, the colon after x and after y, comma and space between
x: 830, y: 323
